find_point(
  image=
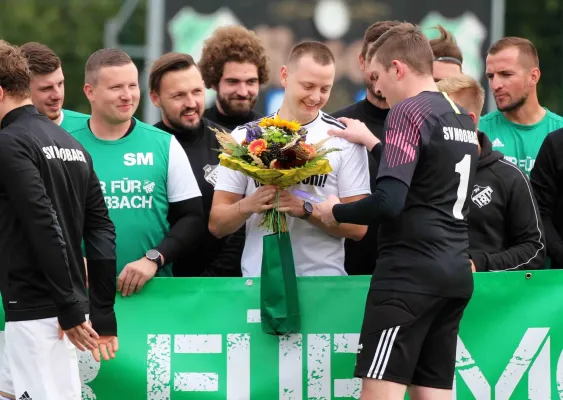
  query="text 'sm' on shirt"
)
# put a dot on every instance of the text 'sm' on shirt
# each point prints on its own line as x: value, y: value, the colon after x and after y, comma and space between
x: 140, y: 175
x: 315, y: 252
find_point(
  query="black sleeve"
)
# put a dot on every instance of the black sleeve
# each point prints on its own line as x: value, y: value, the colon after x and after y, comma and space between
x: 375, y: 152
x: 228, y: 261
x: 402, y: 146
x: 186, y: 227
x: 524, y: 230
x: 99, y: 243
x: 386, y: 203
x: 544, y: 182
x: 21, y: 178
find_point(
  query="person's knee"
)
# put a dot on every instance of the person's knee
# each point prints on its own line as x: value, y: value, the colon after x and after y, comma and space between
x: 429, y: 393
x: 376, y: 389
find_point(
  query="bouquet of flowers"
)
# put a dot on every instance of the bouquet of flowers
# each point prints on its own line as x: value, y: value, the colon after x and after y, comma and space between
x: 274, y: 152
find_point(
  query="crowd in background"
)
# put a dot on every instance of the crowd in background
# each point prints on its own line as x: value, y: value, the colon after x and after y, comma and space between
x: 513, y: 224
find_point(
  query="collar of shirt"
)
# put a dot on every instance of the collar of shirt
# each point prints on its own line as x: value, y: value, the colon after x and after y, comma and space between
x: 13, y: 115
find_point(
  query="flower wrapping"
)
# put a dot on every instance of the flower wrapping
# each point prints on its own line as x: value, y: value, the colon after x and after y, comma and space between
x: 274, y: 152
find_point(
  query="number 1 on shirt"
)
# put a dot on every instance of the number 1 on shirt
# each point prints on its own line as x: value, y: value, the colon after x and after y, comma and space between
x: 462, y: 168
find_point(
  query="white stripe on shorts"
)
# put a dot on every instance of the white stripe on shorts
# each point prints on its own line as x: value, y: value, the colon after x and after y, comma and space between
x: 383, y: 353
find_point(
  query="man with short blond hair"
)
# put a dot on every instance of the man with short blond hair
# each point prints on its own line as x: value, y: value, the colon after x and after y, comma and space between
x: 318, y: 250
x: 149, y: 187
x: 505, y: 227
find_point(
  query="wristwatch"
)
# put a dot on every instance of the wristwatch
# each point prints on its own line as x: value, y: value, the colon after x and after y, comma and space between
x: 308, y: 207
x: 154, y: 256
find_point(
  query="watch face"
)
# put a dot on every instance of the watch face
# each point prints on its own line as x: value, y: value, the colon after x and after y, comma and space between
x: 308, y: 207
x: 152, y: 254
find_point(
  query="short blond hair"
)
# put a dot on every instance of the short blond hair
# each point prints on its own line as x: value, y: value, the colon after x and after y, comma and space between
x: 468, y: 92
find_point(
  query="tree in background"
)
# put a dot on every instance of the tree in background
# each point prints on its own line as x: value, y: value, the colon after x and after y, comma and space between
x: 74, y: 29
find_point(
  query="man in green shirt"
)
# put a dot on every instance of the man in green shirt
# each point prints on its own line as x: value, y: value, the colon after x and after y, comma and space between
x: 519, y: 126
x: 148, y: 184
x: 48, y: 86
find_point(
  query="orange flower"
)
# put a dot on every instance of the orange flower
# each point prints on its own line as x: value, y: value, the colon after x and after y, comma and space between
x: 307, y: 147
x: 257, y: 146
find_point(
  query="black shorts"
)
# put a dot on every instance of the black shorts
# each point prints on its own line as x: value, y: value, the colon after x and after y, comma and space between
x: 409, y: 338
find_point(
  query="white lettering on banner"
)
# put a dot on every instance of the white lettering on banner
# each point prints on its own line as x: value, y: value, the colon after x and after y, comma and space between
x: 238, y: 366
x: 89, y: 369
x: 159, y: 365
x: 347, y: 343
x: 290, y: 367
x: 318, y: 366
x: 532, y: 355
x: 539, y: 381
x: 131, y: 159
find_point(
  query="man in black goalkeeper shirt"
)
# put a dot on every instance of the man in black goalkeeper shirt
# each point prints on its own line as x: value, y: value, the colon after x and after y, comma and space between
x: 50, y: 199
x: 423, y: 280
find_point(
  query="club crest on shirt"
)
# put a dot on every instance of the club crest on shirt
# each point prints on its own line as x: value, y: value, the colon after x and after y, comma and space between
x: 148, y: 186
x: 481, y: 195
x: 210, y: 174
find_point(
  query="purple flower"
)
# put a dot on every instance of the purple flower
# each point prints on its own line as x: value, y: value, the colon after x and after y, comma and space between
x: 253, y: 132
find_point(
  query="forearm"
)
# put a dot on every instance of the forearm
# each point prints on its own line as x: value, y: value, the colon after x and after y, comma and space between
x: 102, y: 296
x: 227, y: 218
x: 186, y: 228
x: 347, y: 231
x: 386, y: 203
x: 525, y: 256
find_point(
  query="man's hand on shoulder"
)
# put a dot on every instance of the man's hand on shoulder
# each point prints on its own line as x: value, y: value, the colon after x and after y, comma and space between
x: 355, y: 132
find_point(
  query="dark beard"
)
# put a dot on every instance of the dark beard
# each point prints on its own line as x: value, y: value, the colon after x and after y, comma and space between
x: 178, y: 126
x: 514, y: 106
x: 235, y: 112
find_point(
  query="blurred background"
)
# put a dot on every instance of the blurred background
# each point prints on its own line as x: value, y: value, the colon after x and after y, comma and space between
x: 148, y: 28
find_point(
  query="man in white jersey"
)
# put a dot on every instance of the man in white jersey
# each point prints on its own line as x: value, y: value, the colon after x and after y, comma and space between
x: 318, y: 250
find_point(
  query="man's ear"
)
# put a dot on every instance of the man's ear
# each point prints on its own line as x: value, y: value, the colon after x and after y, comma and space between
x: 362, y: 62
x: 155, y: 99
x: 473, y: 117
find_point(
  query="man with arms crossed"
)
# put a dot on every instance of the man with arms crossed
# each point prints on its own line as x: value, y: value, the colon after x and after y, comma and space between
x: 307, y: 78
x: 423, y: 280
x: 50, y: 198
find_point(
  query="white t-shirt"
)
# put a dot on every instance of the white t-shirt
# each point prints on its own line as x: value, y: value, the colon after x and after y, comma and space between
x: 315, y: 252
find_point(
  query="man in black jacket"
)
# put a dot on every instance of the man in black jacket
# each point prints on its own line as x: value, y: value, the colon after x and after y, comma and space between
x: 505, y: 228
x: 361, y: 255
x: 50, y: 199
x: 177, y: 88
x: 547, y: 181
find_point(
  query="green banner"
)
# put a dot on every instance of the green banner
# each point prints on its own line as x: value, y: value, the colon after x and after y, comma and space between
x: 200, y: 339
